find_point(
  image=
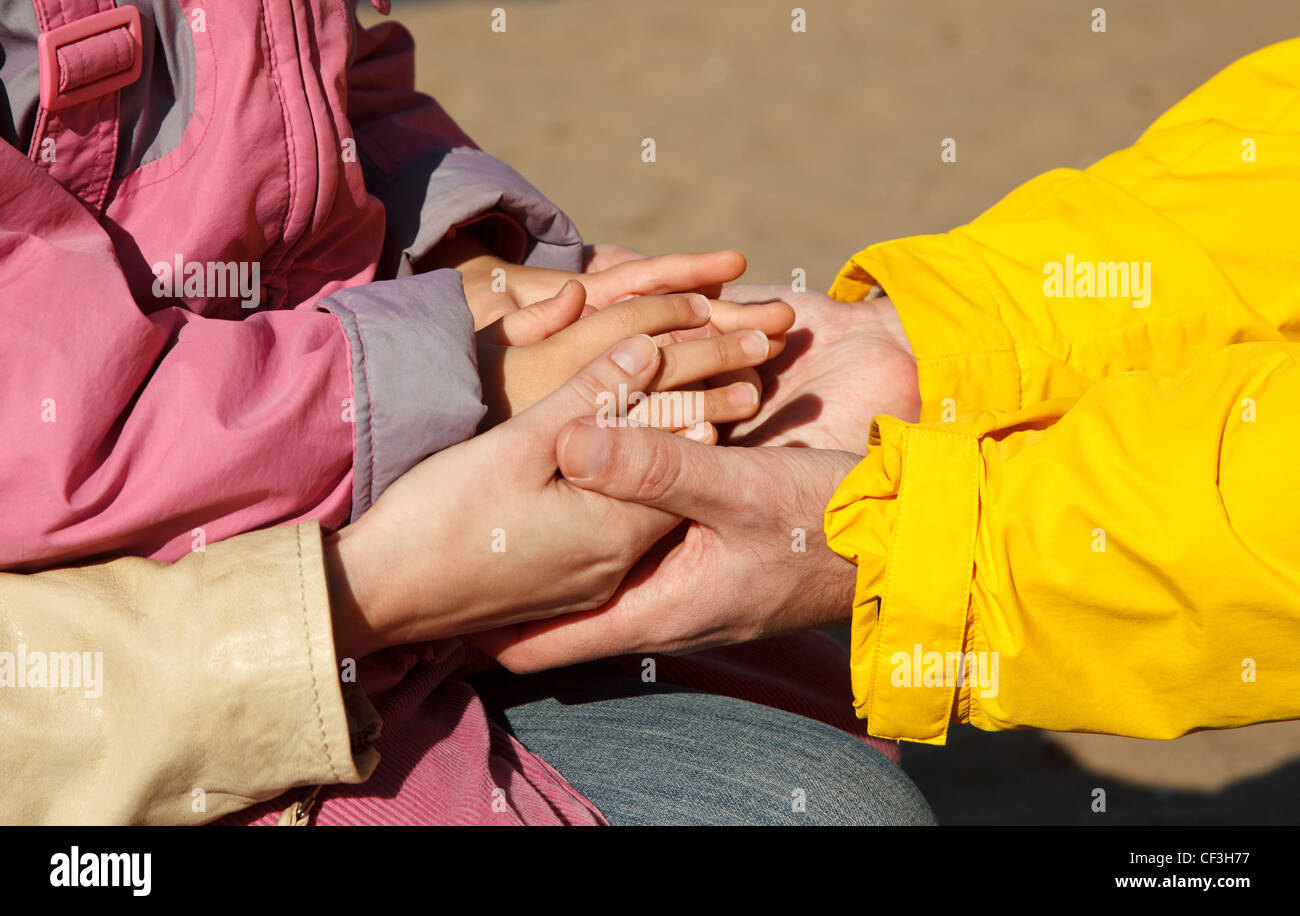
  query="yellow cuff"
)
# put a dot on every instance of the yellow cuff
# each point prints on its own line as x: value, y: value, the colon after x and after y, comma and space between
x: 914, y: 502
x: 966, y: 359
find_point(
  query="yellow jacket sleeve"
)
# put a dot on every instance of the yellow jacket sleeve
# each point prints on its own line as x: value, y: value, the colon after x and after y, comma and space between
x: 1126, y: 563
x: 1159, y: 254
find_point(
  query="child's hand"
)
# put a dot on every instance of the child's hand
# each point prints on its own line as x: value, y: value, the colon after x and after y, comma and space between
x: 494, y: 288
x: 528, y: 353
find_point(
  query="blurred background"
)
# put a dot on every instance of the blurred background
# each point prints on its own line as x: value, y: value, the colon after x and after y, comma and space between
x: 801, y: 148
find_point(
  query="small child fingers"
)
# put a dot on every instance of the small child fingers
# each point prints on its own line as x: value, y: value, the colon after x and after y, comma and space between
x: 667, y: 272
x: 705, y: 433
x: 650, y: 315
x: 769, y: 317
x: 538, y: 321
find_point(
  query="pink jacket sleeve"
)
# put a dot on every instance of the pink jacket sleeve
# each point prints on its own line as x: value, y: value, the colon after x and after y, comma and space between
x: 154, y: 434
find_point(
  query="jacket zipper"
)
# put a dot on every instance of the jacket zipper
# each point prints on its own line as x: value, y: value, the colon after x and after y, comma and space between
x: 299, y: 813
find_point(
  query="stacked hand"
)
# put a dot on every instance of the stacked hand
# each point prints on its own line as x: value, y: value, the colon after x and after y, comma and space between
x: 528, y: 353
x: 752, y: 560
x: 537, y: 326
x: 485, y: 539
x: 484, y: 533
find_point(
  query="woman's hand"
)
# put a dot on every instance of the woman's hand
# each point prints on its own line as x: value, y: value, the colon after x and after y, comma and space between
x: 528, y: 353
x: 752, y: 562
x: 484, y: 534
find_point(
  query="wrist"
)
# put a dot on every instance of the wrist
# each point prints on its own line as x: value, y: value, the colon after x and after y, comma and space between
x: 354, y: 600
x: 903, y: 371
x: 839, y: 576
x: 838, y: 583
x: 477, y: 266
x: 891, y: 325
x: 462, y: 252
x: 825, y: 587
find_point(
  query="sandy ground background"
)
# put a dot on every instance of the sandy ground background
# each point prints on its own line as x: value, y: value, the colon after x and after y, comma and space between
x: 799, y: 149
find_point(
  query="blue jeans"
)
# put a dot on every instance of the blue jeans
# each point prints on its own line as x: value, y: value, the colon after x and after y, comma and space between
x: 654, y: 754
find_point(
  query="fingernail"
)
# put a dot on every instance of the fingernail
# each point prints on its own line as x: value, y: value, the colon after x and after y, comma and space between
x: 755, y: 344
x: 635, y: 354
x: 701, y: 306
x: 745, y: 395
x: 699, y: 432
x: 586, y: 452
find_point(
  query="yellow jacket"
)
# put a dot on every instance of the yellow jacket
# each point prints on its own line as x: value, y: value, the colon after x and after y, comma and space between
x: 1101, y: 504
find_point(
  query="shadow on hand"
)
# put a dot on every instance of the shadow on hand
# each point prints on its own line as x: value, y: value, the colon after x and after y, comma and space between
x: 803, y: 409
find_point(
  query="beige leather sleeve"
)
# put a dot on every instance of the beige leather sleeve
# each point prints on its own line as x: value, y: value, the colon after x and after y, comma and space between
x: 135, y: 691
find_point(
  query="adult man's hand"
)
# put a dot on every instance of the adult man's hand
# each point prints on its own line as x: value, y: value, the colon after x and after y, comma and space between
x: 844, y: 362
x: 751, y: 563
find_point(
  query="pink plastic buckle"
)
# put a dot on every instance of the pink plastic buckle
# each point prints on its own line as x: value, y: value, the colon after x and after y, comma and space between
x: 49, y: 43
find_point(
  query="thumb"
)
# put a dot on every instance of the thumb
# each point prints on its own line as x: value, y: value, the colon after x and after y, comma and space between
x: 534, y: 323
x: 650, y: 467
x: 612, y: 378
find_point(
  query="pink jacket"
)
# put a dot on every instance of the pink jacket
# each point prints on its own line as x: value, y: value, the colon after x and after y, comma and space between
x: 269, y: 144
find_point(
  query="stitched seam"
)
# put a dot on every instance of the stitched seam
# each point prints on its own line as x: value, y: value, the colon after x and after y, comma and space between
x: 972, y: 464
x: 883, y: 620
x: 106, y: 146
x: 976, y: 268
x: 975, y: 634
x: 121, y: 50
x: 198, y: 142
x: 66, y: 61
x: 311, y: 667
x: 291, y: 161
x: 42, y: 126
x: 292, y: 253
x: 940, y: 431
x: 944, y: 724
x: 370, y: 399
x: 965, y: 570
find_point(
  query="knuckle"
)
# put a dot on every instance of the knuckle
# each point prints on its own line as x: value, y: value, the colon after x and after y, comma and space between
x: 682, y: 310
x: 589, y: 386
x: 625, y: 316
x: 668, y: 364
x: 652, y: 273
x: 662, y: 468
